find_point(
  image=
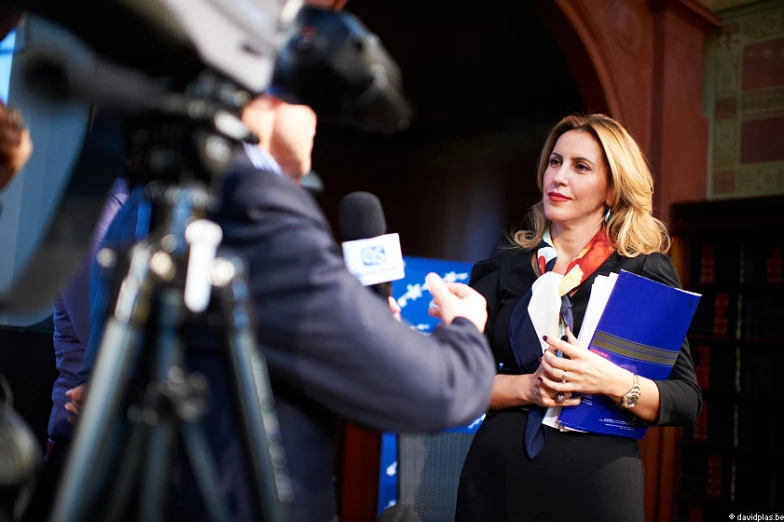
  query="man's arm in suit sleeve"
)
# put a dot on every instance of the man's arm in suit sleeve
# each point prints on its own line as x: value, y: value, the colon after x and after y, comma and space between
x: 329, y: 337
x: 76, y: 295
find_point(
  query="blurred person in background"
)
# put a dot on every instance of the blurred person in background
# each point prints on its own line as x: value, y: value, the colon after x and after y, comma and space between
x: 71, y: 321
x: 15, y: 144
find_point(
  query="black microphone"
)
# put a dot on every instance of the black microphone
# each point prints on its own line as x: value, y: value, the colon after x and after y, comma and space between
x: 370, y: 253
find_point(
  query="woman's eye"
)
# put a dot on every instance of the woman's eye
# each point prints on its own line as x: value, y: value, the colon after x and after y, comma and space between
x: 582, y: 166
x: 553, y: 161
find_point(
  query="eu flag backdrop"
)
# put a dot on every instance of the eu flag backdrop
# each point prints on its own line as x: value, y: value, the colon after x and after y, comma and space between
x: 413, y: 297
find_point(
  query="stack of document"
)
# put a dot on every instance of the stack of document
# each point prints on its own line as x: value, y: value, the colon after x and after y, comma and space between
x: 638, y: 324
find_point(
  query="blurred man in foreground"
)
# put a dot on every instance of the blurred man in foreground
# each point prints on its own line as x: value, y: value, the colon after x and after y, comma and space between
x: 332, y: 347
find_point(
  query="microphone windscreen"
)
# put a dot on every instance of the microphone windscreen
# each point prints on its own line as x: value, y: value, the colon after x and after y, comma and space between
x: 360, y: 216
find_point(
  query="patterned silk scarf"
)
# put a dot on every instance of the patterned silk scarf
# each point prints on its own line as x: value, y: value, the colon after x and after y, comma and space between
x: 534, y: 315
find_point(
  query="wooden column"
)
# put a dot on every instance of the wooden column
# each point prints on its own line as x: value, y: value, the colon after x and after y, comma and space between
x: 358, y: 474
x: 678, y: 153
x: 679, y: 132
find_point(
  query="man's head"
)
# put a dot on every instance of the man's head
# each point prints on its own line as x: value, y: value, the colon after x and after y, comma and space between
x: 285, y: 131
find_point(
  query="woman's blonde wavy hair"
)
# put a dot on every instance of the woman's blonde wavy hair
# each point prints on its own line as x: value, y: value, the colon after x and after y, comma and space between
x: 632, y: 228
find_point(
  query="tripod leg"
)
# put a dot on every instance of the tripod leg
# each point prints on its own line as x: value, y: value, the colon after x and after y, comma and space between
x: 107, y: 392
x: 205, y: 470
x: 254, y: 395
x: 124, y: 485
x: 163, y: 432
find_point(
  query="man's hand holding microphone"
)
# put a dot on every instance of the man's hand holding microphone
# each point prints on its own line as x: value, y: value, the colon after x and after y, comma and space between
x: 452, y: 300
x: 374, y: 257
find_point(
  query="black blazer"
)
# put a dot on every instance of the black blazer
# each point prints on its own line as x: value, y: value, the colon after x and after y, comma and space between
x: 506, y: 277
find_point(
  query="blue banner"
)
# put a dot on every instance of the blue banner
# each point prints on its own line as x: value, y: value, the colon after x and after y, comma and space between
x: 413, y: 297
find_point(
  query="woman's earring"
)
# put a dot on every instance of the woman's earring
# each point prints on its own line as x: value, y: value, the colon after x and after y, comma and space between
x: 607, y: 215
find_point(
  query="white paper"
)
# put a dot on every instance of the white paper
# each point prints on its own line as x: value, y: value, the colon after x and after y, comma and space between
x: 545, y: 307
x: 600, y: 293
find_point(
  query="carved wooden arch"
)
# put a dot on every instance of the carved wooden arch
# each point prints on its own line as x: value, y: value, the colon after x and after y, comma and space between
x: 574, y: 31
x: 608, y: 47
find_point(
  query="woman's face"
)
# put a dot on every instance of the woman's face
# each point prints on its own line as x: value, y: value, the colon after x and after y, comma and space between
x: 575, y: 182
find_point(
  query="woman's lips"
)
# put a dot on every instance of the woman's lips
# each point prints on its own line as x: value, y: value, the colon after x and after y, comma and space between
x: 556, y: 197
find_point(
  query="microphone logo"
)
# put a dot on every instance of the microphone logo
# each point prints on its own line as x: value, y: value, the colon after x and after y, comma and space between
x: 373, y: 255
x: 375, y: 260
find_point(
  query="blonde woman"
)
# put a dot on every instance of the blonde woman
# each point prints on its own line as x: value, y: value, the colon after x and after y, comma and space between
x: 594, y: 218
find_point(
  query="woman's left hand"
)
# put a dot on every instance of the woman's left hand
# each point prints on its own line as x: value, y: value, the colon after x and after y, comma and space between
x: 583, y: 371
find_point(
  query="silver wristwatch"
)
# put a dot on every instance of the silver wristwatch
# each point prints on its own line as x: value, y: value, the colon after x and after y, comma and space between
x: 632, y: 397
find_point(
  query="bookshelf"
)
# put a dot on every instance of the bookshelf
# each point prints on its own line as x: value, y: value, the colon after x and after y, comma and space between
x: 732, y: 252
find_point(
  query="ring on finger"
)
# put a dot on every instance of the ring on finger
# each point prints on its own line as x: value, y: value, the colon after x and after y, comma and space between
x: 560, y: 398
x: 563, y: 377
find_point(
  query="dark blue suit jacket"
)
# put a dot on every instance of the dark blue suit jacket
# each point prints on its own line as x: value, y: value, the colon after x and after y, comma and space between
x: 332, y: 346
x: 72, y: 319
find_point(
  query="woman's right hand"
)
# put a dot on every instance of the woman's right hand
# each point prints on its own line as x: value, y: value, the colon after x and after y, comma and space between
x: 513, y: 391
x: 540, y: 394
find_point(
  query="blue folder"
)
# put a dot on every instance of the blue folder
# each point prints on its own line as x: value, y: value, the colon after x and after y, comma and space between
x: 641, y: 329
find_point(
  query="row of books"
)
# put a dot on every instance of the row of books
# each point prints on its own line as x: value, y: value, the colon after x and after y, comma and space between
x: 717, y: 423
x: 715, y: 481
x: 755, y: 377
x: 762, y: 315
x: 717, y: 315
x: 690, y: 511
x: 726, y: 425
x: 705, y: 473
x: 715, y: 263
x: 758, y: 481
x: 718, y: 370
x: 739, y: 370
x: 740, y: 315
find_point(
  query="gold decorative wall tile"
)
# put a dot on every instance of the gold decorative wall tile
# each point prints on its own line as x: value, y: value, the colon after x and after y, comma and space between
x: 762, y: 103
x: 724, y: 182
x: 728, y: 61
x: 725, y: 144
x: 746, y: 94
x: 762, y: 178
x: 763, y: 25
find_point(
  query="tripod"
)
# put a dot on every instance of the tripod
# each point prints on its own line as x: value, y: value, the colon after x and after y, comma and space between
x: 141, y: 399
